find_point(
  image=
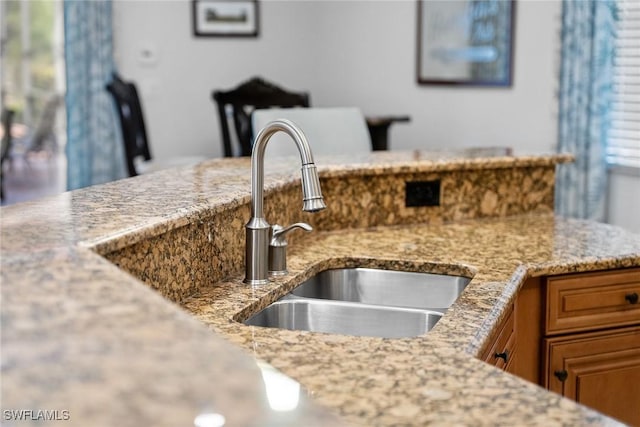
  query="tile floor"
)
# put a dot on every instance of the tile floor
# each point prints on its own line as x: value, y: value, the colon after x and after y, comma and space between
x: 34, y: 176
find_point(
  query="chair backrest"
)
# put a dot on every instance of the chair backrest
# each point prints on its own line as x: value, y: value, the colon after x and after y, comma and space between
x: 7, y: 121
x: 134, y: 134
x: 45, y: 129
x: 330, y: 131
x: 253, y: 94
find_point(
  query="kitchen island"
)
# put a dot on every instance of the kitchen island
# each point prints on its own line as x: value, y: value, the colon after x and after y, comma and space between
x: 122, y: 303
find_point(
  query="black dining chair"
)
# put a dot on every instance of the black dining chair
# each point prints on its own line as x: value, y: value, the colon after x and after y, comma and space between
x: 134, y: 134
x: 241, y: 101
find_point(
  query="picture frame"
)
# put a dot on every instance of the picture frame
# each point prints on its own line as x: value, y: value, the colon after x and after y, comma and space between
x: 465, y: 42
x: 225, y: 18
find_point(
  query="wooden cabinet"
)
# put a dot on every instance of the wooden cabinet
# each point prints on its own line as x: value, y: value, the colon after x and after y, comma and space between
x: 529, y: 330
x: 501, y: 351
x: 591, y: 343
x: 600, y: 370
x: 579, y: 335
x: 588, y: 301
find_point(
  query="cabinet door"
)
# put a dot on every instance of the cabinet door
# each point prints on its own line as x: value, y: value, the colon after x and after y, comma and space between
x: 600, y: 370
x: 502, y: 345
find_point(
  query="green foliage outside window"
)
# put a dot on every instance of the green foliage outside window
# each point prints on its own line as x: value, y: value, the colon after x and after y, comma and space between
x: 41, y: 55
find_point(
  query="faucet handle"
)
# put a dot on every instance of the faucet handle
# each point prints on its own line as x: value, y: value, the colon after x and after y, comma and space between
x: 278, y: 247
x: 279, y: 232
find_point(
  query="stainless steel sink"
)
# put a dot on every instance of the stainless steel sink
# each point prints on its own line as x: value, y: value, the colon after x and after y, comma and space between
x: 385, y: 287
x: 337, y: 317
x: 365, y: 302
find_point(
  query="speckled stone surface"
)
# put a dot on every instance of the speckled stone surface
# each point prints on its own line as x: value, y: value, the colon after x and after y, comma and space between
x: 433, y: 378
x: 361, y: 199
x: 78, y: 336
x: 82, y: 335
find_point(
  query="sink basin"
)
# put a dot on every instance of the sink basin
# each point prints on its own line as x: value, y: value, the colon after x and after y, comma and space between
x: 385, y: 287
x: 346, y: 318
x: 365, y: 302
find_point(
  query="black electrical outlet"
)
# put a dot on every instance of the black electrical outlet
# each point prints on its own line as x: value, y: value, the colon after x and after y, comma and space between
x: 422, y: 193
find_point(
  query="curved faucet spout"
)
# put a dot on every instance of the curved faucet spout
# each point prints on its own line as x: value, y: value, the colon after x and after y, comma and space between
x: 258, y: 230
x: 312, y: 195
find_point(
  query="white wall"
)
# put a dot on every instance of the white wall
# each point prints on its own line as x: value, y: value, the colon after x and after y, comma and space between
x: 360, y: 53
x: 347, y: 52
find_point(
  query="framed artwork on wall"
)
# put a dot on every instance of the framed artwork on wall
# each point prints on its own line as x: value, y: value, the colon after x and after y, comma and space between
x: 225, y: 18
x: 466, y: 42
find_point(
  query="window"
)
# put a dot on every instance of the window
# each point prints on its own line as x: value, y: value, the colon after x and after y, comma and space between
x: 32, y: 85
x: 623, y: 145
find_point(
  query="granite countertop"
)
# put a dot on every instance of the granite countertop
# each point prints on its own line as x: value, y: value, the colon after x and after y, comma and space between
x: 81, y: 335
x: 434, y: 378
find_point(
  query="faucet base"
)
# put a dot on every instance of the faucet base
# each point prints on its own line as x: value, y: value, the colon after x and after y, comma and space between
x: 253, y: 282
x: 278, y: 273
x: 258, y: 235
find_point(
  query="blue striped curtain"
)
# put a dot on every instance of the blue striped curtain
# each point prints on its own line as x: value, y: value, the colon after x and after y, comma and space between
x: 95, y: 152
x: 586, y: 89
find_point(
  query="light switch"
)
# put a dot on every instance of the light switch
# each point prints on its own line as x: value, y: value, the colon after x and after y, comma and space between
x: 148, y: 55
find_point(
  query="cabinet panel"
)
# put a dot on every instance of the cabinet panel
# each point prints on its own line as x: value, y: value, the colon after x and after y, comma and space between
x: 600, y: 370
x: 587, y: 301
x: 589, y: 392
x: 502, y: 348
x: 529, y: 330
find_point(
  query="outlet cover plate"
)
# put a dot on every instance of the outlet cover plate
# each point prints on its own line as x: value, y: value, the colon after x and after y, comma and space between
x: 422, y: 193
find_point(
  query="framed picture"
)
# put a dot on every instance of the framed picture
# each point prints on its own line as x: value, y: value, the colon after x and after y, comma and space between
x: 225, y: 18
x: 466, y: 42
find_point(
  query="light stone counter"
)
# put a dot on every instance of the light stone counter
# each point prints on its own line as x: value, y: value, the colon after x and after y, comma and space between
x: 83, y: 336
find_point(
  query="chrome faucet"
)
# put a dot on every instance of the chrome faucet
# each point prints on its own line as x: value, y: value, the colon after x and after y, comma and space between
x: 258, y: 229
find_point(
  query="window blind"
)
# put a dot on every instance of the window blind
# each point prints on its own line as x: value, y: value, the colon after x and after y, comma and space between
x: 623, y: 142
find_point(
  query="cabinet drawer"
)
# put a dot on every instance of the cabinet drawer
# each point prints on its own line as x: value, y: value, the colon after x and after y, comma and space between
x: 580, y: 302
x: 501, y: 349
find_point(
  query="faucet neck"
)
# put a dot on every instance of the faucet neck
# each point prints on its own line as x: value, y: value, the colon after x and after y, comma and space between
x: 257, y: 159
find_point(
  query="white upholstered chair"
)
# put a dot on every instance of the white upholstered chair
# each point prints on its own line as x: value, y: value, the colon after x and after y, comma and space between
x: 330, y: 131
